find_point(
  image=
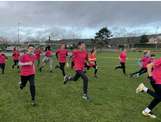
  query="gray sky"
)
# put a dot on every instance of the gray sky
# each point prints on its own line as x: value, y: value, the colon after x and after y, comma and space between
x: 78, y: 19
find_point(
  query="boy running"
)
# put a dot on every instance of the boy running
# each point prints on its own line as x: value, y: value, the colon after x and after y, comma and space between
x: 80, y: 57
x: 122, y: 58
x: 3, y: 59
x: 61, y: 55
x: 145, y: 60
x: 15, y: 57
x: 27, y: 71
x: 47, y: 59
x: 154, y: 75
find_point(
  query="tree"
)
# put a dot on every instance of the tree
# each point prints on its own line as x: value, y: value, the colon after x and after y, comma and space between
x: 102, y: 37
x: 93, y: 41
x: 144, y: 39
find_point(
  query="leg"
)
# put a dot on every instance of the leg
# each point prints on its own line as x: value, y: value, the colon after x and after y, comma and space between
x: 74, y: 78
x: 132, y: 74
x: 118, y: 67
x: 24, y: 80
x: 62, y: 68
x: 3, y: 68
x: 144, y: 70
x: 17, y: 64
x: 95, y: 69
x: 87, y: 66
x: 44, y: 61
x: 14, y: 64
x: 154, y: 103
x: 156, y: 95
x: 50, y: 64
x: 32, y: 86
x: 123, y: 68
x: 85, y: 82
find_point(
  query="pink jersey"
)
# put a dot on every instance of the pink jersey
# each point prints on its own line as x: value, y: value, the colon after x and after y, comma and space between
x: 62, y: 54
x: 145, y: 61
x: 15, y: 55
x: 80, y: 58
x: 156, y: 73
x: 73, y: 54
x: 85, y: 53
x: 123, y: 57
x: 37, y: 54
x: 27, y: 69
x: 48, y: 53
x: 2, y: 58
x: 92, y: 59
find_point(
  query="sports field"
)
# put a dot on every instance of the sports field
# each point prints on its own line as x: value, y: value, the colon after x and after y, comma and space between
x: 113, y: 97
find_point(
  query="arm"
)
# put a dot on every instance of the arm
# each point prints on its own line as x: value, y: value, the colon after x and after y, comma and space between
x: 119, y: 58
x: 149, y: 68
x: 25, y: 64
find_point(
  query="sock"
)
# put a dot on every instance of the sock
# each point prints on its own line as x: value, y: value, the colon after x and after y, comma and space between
x: 84, y: 94
x: 137, y: 75
x: 70, y: 78
x: 147, y: 110
x: 145, y: 89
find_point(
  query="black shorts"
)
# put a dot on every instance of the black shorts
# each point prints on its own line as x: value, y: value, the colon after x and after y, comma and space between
x: 2, y: 66
x: 30, y: 78
x: 62, y: 64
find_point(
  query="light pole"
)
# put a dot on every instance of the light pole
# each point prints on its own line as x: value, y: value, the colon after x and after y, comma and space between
x: 18, y: 34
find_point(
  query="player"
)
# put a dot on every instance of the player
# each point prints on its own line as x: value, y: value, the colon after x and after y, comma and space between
x: 72, y: 57
x: 154, y: 75
x: 145, y: 60
x: 38, y: 55
x: 61, y: 55
x: 27, y: 71
x: 3, y: 59
x: 15, y: 57
x: 47, y: 59
x: 92, y: 61
x: 122, y: 58
x: 80, y: 57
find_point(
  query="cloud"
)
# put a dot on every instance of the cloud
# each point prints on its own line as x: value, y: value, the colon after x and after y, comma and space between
x: 79, y: 19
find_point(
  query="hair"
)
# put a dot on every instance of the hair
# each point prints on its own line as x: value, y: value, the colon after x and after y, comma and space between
x: 79, y: 43
x: 47, y: 48
x: 92, y: 50
x: 30, y: 45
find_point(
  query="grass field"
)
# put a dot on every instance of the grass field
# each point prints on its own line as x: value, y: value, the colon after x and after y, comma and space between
x: 113, y: 97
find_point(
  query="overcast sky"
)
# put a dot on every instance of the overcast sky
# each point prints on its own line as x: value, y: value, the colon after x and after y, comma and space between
x: 78, y: 19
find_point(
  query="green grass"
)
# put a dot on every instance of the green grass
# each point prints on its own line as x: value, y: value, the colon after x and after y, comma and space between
x: 113, y: 96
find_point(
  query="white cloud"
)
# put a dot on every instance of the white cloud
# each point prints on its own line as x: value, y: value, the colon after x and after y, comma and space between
x: 78, y: 19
